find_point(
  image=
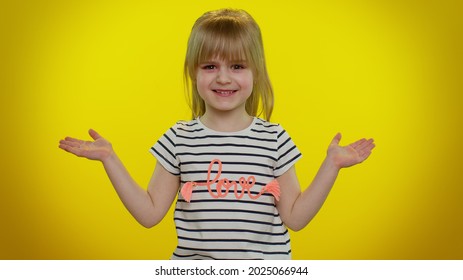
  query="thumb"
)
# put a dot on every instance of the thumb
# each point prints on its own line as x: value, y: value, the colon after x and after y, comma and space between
x: 336, y: 139
x: 94, y: 134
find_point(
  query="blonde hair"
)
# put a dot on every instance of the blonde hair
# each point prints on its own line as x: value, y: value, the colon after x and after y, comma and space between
x: 231, y: 35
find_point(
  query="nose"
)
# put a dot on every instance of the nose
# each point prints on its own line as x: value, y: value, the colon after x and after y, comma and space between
x: 223, y: 76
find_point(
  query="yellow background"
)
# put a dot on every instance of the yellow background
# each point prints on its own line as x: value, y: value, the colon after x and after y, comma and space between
x: 391, y: 70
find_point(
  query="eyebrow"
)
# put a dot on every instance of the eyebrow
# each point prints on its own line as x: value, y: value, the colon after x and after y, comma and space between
x: 211, y: 61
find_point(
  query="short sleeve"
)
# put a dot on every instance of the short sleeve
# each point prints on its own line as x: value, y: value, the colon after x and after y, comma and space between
x: 164, y: 151
x: 287, y: 152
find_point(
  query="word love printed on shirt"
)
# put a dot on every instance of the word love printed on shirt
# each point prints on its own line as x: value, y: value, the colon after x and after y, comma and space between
x: 224, y: 185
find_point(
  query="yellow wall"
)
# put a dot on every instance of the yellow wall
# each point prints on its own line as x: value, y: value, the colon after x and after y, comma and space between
x: 384, y: 69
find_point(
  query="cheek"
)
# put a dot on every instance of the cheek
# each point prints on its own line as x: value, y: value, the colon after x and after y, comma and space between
x: 200, y: 83
x: 248, y: 83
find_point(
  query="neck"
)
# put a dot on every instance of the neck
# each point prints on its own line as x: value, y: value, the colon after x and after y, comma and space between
x: 226, y: 122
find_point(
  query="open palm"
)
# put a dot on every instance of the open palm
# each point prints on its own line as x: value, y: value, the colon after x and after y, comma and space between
x: 99, y: 149
x: 345, y: 156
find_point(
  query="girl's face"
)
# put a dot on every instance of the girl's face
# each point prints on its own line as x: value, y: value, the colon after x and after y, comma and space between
x: 224, y: 85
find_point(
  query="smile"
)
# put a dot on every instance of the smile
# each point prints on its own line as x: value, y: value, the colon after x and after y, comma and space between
x: 224, y: 93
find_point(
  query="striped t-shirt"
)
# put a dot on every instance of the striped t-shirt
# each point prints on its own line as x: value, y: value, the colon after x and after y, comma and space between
x: 228, y: 214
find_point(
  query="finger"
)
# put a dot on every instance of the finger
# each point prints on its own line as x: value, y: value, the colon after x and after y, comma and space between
x: 366, y: 145
x: 95, y: 135
x: 369, y: 147
x: 71, y: 143
x: 70, y: 139
x: 336, y: 139
x: 357, y: 143
x: 366, y: 152
x: 73, y: 150
x: 364, y: 155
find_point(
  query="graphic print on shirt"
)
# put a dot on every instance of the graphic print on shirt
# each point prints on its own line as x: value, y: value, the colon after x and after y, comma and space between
x: 223, y: 185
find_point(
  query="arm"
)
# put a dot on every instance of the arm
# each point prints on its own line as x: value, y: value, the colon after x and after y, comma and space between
x: 149, y: 206
x: 298, y: 208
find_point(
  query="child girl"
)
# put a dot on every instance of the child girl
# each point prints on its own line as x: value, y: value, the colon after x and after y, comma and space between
x: 232, y: 172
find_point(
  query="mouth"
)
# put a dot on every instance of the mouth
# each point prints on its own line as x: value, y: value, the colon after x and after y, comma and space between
x: 224, y: 93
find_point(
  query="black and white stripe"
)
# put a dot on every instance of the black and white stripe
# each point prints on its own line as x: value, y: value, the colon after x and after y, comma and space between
x: 227, y: 227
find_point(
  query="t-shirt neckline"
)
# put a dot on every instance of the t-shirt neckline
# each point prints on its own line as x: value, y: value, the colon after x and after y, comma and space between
x: 227, y: 132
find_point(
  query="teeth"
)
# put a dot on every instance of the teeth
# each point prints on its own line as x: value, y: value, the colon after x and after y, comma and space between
x: 224, y: 92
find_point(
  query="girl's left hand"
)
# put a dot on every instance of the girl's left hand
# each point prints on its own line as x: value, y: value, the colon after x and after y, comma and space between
x: 346, y: 156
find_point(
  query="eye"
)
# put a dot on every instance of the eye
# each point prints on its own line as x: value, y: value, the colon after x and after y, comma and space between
x: 238, y: 66
x: 208, y: 67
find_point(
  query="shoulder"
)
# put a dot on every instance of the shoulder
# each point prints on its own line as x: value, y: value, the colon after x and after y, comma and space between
x: 269, y: 127
x: 186, y: 126
x: 266, y: 125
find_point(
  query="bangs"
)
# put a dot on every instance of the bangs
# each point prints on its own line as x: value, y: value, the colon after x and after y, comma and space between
x: 224, y: 45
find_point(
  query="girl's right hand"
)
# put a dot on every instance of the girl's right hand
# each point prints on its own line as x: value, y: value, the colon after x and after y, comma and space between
x: 100, y: 149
